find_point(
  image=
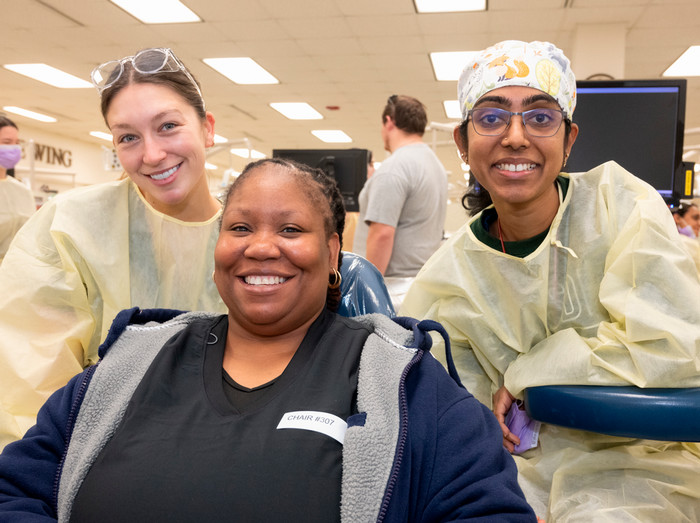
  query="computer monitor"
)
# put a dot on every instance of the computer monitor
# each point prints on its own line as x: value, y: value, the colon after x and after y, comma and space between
x: 347, y: 166
x: 637, y: 123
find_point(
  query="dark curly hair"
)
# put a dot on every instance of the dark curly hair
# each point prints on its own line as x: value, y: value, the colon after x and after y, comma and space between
x: 323, y: 192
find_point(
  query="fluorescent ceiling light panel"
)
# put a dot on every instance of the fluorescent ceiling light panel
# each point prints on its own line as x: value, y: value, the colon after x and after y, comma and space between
x: 243, y: 153
x: 452, y: 109
x: 332, y: 136
x: 242, y: 70
x: 447, y: 66
x: 29, y: 114
x: 49, y: 75
x: 220, y: 139
x: 100, y: 134
x: 158, y: 11
x: 210, y: 166
x: 449, y: 6
x: 688, y: 64
x: 297, y: 110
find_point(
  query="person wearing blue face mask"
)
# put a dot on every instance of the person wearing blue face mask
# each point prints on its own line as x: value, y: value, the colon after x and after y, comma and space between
x: 16, y: 199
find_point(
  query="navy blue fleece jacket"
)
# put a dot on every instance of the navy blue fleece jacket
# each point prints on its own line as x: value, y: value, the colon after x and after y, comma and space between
x: 420, y: 449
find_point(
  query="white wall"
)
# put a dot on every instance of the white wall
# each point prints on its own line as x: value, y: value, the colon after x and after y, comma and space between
x: 60, y: 162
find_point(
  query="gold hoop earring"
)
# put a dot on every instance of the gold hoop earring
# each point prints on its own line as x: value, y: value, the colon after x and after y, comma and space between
x: 336, y: 279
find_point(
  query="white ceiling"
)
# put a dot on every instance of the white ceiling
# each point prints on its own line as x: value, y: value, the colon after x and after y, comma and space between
x: 347, y: 53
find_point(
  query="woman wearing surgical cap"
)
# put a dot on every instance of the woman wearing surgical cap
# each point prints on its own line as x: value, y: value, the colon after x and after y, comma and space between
x: 564, y: 279
x: 147, y: 240
x: 16, y: 200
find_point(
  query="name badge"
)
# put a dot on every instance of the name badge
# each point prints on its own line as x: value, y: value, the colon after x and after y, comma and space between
x: 322, y: 422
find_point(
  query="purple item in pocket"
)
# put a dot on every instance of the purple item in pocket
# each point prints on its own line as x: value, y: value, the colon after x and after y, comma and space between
x: 520, y: 424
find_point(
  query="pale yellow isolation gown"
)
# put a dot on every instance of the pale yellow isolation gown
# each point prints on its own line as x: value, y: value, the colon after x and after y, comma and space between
x: 610, y: 297
x: 82, y: 258
x: 16, y: 206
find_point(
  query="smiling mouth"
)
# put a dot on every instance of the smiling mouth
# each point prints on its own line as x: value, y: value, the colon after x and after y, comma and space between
x: 165, y: 174
x: 516, y: 168
x: 264, y: 280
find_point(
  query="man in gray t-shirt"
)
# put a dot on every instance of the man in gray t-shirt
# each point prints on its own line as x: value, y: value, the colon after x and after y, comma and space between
x: 403, y: 205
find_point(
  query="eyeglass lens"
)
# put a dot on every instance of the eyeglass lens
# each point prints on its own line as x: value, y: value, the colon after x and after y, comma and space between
x: 492, y: 121
x: 147, y: 61
x: 150, y: 60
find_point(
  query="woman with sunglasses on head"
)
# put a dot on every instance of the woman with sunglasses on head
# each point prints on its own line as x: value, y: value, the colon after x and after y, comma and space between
x: 280, y: 410
x: 145, y: 240
x: 563, y: 279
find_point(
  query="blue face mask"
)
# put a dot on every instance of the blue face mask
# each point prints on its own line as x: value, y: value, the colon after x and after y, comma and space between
x: 10, y: 155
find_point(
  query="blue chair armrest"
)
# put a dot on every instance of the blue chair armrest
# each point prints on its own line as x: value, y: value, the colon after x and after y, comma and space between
x: 658, y: 414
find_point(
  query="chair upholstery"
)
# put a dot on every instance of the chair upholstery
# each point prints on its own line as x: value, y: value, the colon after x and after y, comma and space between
x: 362, y: 288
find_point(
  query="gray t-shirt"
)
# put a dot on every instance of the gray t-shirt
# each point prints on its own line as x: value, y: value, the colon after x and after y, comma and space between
x: 409, y: 193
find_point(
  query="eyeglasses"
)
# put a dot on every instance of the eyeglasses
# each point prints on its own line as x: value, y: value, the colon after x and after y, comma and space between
x: 148, y: 61
x: 491, y: 121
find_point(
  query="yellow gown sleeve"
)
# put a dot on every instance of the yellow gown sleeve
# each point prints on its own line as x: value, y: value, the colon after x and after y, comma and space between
x: 651, y: 292
x: 46, y: 321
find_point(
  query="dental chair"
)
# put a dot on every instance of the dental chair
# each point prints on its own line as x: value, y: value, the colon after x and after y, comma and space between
x: 362, y: 288
x: 632, y: 412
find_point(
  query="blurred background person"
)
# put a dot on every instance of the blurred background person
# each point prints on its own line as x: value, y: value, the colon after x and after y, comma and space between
x: 681, y: 211
x: 687, y: 217
x: 16, y: 200
x: 403, y: 205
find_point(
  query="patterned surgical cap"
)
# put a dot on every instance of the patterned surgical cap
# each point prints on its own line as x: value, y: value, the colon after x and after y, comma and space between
x: 540, y: 65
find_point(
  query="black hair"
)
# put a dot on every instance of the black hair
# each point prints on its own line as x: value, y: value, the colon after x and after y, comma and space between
x: 5, y: 122
x: 477, y: 198
x: 324, y: 193
x: 684, y: 207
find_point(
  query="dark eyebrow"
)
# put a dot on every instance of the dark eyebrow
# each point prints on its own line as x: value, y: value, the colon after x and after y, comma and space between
x: 501, y: 100
x: 540, y: 97
x: 506, y: 102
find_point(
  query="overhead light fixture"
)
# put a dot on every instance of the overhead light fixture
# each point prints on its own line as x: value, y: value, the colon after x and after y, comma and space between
x: 29, y: 114
x: 331, y: 136
x: 243, y: 153
x: 101, y: 135
x: 241, y: 70
x: 158, y: 11
x: 297, y: 110
x: 449, y: 6
x: 688, y: 64
x: 447, y: 66
x: 49, y: 75
x: 220, y: 139
x: 210, y: 166
x: 452, y: 109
